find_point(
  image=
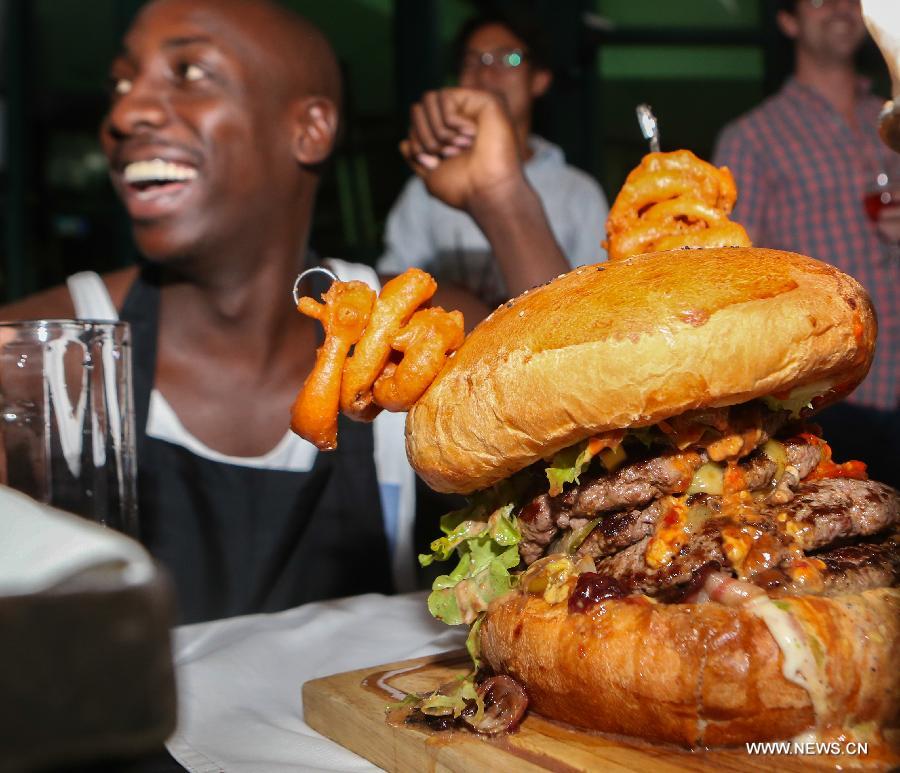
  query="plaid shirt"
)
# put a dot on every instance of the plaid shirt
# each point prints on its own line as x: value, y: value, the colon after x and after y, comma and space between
x: 802, y: 172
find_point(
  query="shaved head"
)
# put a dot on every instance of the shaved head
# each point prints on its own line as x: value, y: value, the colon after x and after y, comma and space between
x: 241, y: 96
x: 298, y: 57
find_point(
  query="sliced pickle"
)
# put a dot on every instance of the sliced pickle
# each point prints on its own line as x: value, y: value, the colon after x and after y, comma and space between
x: 548, y: 577
x: 580, y: 535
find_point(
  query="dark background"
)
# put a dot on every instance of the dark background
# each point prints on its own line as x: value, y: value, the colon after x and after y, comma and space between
x: 699, y: 63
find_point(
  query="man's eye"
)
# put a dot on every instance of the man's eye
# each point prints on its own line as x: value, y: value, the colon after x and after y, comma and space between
x: 191, y: 72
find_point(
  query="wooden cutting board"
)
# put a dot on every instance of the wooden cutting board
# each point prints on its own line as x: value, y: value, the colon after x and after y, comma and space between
x: 350, y: 708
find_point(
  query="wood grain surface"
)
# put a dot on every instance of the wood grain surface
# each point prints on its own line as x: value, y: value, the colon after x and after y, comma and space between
x: 350, y: 708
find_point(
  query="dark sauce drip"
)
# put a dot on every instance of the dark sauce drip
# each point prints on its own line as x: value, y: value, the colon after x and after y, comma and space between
x: 416, y: 717
x: 447, y: 721
x: 529, y: 512
x: 771, y: 579
x: 592, y: 588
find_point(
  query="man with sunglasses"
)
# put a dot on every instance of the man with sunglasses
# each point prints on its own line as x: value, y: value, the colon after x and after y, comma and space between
x: 805, y: 162
x: 434, y: 224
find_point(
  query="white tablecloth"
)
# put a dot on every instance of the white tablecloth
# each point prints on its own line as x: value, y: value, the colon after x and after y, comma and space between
x: 239, y: 702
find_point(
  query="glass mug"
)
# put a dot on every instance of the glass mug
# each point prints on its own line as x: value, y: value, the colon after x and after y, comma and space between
x: 882, y: 193
x: 67, y: 417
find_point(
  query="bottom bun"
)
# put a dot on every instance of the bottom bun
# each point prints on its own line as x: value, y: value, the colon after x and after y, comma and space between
x: 701, y: 674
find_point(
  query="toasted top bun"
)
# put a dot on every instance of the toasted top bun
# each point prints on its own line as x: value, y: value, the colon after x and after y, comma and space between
x: 629, y: 343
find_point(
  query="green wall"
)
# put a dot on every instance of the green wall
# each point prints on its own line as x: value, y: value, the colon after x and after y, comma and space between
x: 362, y: 34
x: 684, y: 14
x: 672, y: 63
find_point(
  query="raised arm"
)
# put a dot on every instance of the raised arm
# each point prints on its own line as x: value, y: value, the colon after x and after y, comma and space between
x: 463, y: 146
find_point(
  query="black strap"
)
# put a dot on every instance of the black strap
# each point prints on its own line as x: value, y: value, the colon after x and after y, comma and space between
x: 241, y: 539
x: 141, y: 311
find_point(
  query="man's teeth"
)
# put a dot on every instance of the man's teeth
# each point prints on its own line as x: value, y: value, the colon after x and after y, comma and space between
x: 159, y: 171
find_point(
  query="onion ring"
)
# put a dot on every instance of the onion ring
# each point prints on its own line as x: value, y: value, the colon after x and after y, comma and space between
x: 729, y: 234
x: 399, y: 299
x: 377, y: 329
x: 425, y: 342
x: 505, y: 702
x: 346, y: 310
x: 673, y: 200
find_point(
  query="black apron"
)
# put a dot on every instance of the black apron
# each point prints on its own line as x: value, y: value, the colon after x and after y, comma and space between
x: 240, y: 539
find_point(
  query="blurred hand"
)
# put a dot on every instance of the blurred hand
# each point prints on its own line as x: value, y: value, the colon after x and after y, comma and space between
x: 462, y: 144
x: 889, y: 224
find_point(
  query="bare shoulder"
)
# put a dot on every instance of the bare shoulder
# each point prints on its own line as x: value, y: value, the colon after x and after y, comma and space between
x: 119, y: 282
x: 57, y: 302
x: 47, y: 304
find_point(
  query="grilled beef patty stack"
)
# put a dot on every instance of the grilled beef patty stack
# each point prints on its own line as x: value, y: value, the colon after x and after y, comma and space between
x: 659, y: 542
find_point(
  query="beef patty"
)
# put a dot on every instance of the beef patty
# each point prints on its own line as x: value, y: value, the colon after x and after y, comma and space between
x: 629, y: 490
x: 823, y: 513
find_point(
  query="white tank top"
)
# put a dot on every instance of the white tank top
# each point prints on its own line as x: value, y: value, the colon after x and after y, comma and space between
x: 396, y: 479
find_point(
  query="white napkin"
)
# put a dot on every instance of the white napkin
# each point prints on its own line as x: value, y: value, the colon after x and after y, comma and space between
x: 239, y: 681
x: 42, y: 548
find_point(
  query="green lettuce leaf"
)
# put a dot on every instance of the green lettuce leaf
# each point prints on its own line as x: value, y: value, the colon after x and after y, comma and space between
x: 800, y: 398
x: 459, y: 526
x: 503, y: 527
x: 451, y: 698
x: 473, y: 642
x: 481, y: 575
x: 646, y: 435
x: 567, y: 466
x: 486, y: 536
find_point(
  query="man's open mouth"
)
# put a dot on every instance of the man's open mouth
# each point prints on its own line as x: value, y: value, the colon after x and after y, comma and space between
x: 157, y: 176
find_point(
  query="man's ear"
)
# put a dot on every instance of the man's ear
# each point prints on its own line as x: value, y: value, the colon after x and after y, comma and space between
x: 314, y: 129
x: 787, y: 23
x: 540, y: 82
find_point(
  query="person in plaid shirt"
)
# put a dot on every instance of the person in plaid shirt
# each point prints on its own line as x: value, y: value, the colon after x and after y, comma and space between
x: 803, y: 161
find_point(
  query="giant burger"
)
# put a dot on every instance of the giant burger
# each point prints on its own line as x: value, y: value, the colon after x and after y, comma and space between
x: 658, y: 542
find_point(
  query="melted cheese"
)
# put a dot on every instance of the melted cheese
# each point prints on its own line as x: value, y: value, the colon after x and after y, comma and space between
x: 778, y: 454
x: 798, y: 661
x: 708, y: 479
x: 736, y: 543
x: 807, y: 572
x: 671, y: 534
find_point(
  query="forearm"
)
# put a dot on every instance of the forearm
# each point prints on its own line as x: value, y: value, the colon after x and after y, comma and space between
x: 515, y: 224
x: 450, y: 297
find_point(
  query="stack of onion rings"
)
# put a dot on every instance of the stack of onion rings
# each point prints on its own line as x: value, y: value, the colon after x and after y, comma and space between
x: 398, y: 350
x: 673, y: 200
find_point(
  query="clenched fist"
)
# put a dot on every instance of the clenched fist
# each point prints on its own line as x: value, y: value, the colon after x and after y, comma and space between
x: 463, y: 145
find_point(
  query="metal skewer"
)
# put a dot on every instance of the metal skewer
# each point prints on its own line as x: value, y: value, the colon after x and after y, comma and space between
x: 649, y: 125
x: 303, y: 274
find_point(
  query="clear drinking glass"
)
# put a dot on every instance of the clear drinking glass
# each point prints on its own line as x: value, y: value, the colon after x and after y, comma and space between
x: 882, y: 192
x: 67, y: 417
